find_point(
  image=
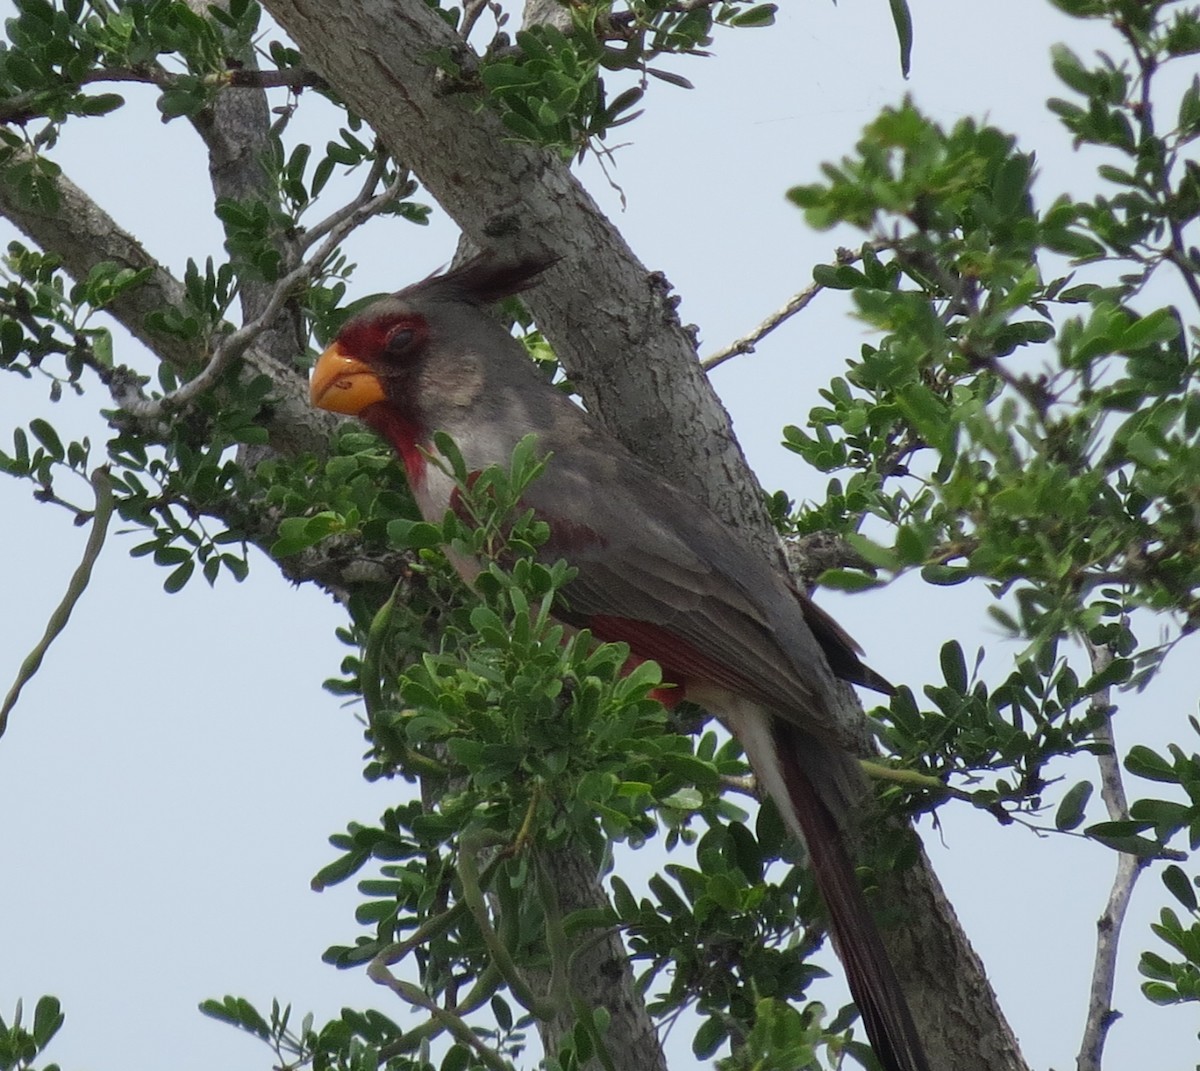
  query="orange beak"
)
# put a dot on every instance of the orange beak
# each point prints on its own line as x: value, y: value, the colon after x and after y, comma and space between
x: 343, y: 384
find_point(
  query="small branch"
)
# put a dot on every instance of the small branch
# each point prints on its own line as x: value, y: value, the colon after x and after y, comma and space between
x: 472, y: 894
x: 1178, y: 256
x: 452, y: 1023
x: 748, y: 343
x: 746, y: 784
x: 1101, y: 1014
x: 338, y: 217
x: 472, y: 10
x: 232, y: 346
x: 25, y: 106
x: 83, y: 235
x: 909, y: 779
x: 78, y: 584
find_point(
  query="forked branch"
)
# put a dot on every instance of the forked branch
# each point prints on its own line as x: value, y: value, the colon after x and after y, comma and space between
x: 232, y: 346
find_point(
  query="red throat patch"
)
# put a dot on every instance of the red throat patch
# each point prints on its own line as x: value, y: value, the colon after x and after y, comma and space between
x: 404, y: 435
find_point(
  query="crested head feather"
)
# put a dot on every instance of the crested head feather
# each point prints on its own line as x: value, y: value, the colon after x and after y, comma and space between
x: 483, y: 279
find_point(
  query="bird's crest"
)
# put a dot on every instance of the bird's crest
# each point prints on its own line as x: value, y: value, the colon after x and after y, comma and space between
x: 484, y: 279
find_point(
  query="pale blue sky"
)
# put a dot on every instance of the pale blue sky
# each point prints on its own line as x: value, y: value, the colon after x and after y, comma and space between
x: 169, y: 779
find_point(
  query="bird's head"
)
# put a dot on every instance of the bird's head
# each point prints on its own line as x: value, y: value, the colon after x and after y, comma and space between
x: 426, y: 340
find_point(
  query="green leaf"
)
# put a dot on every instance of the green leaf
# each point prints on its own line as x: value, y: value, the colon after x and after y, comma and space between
x: 847, y: 580
x: 340, y: 869
x: 1161, y: 325
x: 238, y: 1012
x: 180, y: 102
x: 47, y: 1018
x: 179, y: 577
x: 48, y: 437
x: 1123, y: 837
x: 902, y: 19
x: 1159, y: 993
x: 1071, y: 810
x: 872, y: 553
x: 1189, y: 110
x: 100, y: 104
x: 507, y: 75
x: 1144, y: 762
x: 954, y: 666
x: 415, y: 535
x: 759, y: 15
x: 670, y: 77
x: 1180, y: 886
x: 1118, y: 671
x: 686, y: 799
x: 839, y: 276
x: 946, y: 575
x: 1011, y: 183
x: 1166, y: 816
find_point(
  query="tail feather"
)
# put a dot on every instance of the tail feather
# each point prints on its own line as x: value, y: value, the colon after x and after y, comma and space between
x: 873, y: 983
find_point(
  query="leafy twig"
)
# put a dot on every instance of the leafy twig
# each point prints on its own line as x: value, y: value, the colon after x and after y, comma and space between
x: 101, y: 515
x: 25, y: 106
x: 1177, y: 252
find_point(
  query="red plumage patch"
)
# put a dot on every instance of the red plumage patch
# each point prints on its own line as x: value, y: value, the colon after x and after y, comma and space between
x: 404, y: 435
x: 680, y: 661
x: 368, y: 339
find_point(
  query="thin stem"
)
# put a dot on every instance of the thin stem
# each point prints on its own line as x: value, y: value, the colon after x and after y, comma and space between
x: 338, y: 217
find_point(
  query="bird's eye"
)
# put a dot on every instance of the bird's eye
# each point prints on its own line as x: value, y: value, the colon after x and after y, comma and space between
x: 398, y: 341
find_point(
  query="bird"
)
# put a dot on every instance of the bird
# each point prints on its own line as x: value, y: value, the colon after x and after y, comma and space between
x: 655, y: 569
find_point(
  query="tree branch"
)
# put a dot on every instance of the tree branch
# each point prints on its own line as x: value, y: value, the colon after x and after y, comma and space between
x: 101, y: 516
x: 231, y: 347
x: 747, y: 343
x: 1101, y: 1014
x: 23, y: 108
x: 84, y: 235
x: 80, y: 232
x: 401, y: 187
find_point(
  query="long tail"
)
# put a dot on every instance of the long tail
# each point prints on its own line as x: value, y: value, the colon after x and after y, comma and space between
x: 807, y: 778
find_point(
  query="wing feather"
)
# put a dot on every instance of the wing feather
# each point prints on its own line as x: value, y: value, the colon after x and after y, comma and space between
x: 685, y: 582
